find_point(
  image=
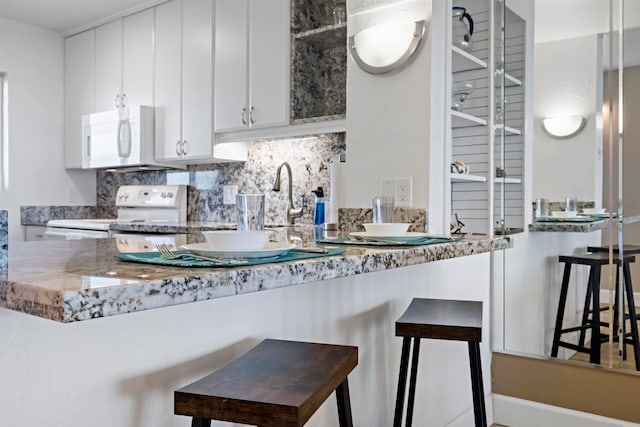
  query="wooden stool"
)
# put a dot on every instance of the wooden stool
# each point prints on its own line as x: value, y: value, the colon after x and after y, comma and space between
x: 277, y: 383
x: 630, y: 337
x: 441, y: 320
x: 595, y: 261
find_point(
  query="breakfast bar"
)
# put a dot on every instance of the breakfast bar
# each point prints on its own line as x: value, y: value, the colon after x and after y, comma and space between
x: 106, y: 342
x: 69, y: 281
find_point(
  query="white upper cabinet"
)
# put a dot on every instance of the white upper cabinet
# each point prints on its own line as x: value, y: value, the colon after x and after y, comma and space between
x: 252, y: 59
x: 269, y: 62
x: 197, y: 77
x: 183, y: 79
x: 124, y: 62
x: 137, y: 57
x: 79, y: 84
x: 108, y: 49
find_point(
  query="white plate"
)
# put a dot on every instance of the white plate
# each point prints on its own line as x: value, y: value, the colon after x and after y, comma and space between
x: 271, y: 250
x: 406, y: 237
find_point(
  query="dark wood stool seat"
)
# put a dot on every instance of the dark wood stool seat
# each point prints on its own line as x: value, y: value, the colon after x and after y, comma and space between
x: 277, y: 383
x: 442, y: 320
x: 595, y: 261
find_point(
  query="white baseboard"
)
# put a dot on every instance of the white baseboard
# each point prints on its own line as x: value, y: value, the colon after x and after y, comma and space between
x: 512, y: 412
x: 605, y: 294
x: 466, y: 419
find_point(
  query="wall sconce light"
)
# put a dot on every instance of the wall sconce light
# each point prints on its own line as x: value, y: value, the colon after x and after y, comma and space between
x: 563, y: 127
x: 382, y: 48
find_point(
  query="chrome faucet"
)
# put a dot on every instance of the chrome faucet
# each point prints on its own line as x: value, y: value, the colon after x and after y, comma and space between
x: 292, y: 212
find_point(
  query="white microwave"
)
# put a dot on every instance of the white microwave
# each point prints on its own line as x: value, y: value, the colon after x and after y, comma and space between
x: 119, y: 138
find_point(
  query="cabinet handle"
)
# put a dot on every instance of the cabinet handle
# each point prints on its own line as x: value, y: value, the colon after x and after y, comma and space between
x: 124, y: 99
x: 185, y: 147
x: 118, y: 101
x: 251, y: 120
x: 243, y: 116
x: 178, y: 147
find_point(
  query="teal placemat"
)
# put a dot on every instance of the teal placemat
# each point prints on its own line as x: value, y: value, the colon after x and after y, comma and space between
x: 380, y: 242
x: 156, y: 258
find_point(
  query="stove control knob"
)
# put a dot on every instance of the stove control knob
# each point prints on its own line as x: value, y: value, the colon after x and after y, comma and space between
x: 163, y: 195
x: 169, y: 194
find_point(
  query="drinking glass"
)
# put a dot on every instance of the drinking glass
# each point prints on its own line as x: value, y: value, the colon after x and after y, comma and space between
x: 571, y: 204
x: 542, y: 208
x: 383, y: 209
x: 459, y: 93
x: 250, y: 212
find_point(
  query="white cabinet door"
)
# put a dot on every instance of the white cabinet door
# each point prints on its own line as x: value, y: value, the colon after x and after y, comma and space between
x: 269, y: 63
x: 197, y: 78
x: 168, y: 94
x: 137, y: 58
x: 78, y: 92
x: 231, y: 65
x: 108, y: 50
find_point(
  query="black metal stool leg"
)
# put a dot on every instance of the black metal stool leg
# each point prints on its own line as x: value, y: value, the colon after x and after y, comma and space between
x: 344, y: 404
x: 479, y: 411
x: 560, y: 314
x: 594, y: 288
x: 633, y: 318
x: 402, y: 381
x: 415, y: 357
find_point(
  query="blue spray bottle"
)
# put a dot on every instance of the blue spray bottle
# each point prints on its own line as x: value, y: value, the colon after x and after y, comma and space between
x: 318, y: 213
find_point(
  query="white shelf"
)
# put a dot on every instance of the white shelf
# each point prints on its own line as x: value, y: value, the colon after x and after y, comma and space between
x: 509, y: 130
x: 464, y: 61
x: 461, y: 120
x: 508, y: 180
x: 512, y: 81
x: 458, y: 177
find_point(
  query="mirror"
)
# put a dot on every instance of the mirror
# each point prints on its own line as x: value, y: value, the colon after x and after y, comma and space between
x: 575, y: 72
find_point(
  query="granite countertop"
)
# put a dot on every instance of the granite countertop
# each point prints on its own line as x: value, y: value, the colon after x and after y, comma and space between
x: 571, y: 227
x: 69, y: 281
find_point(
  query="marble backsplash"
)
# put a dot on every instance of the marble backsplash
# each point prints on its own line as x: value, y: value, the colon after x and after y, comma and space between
x: 4, y: 240
x: 310, y: 158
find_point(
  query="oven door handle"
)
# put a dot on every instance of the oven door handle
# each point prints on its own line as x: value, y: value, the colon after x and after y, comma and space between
x: 67, y: 235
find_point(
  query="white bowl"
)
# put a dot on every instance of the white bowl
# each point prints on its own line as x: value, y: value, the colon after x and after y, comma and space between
x: 387, y: 229
x: 594, y: 211
x: 233, y: 240
x: 564, y: 214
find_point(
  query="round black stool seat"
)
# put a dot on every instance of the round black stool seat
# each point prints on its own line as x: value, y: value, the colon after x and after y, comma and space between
x: 442, y: 320
x: 595, y: 261
x: 275, y: 384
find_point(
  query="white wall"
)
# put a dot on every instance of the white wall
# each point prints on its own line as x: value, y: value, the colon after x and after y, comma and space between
x: 566, y: 84
x: 388, y: 128
x: 122, y: 371
x: 33, y: 60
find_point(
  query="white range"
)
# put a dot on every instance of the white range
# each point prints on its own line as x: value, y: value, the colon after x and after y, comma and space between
x: 139, y: 204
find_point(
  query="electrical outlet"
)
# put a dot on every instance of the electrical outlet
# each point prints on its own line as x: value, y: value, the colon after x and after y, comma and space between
x: 229, y: 194
x: 403, y: 192
x: 387, y: 187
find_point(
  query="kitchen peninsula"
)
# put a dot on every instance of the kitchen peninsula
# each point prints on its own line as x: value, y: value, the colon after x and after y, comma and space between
x: 122, y: 369
x: 71, y: 281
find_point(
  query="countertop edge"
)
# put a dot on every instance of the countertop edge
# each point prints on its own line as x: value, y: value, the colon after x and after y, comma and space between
x: 68, y: 306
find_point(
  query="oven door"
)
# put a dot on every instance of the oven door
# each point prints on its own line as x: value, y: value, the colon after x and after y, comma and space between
x: 132, y: 242
x: 55, y: 233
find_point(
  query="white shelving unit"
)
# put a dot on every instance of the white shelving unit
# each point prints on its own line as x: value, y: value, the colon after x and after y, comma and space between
x: 488, y: 139
x: 471, y: 128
